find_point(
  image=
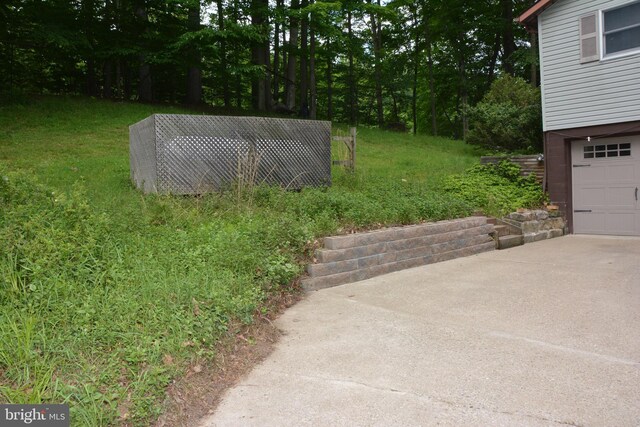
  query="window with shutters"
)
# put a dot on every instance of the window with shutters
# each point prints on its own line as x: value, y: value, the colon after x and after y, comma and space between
x: 621, y: 29
x: 610, y: 33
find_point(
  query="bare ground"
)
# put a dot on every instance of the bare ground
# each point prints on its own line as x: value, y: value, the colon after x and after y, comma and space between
x: 198, y: 393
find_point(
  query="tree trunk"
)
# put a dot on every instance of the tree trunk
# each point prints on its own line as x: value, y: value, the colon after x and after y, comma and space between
x: 432, y: 84
x: 508, y: 42
x: 194, y: 86
x: 107, y: 90
x: 414, y: 95
x: 126, y: 80
x: 92, y: 83
x: 261, y: 84
x: 265, y: 60
x: 276, y: 55
x: 194, y: 74
x: 119, y: 78
x: 304, y: 62
x: 291, y: 65
x: 284, y: 63
x: 494, y: 59
x: 396, y: 118
x: 238, y: 79
x: 226, y: 93
x: 534, y: 59
x: 464, y: 97
x: 376, y: 30
x: 329, y: 82
x: 88, y: 14
x: 416, y: 61
x: 313, y: 108
x: 145, y: 93
x: 257, y: 97
x: 353, y: 102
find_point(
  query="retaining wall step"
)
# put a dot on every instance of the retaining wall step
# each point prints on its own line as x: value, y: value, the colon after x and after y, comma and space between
x: 502, y: 230
x: 361, y: 256
x: 401, y: 233
x: 329, y: 268
x: 321, y: 282
x: 510, y: 241
x: 334, y: 255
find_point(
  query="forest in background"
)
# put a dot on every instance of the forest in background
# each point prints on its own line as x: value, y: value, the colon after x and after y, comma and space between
x: 392, y: 64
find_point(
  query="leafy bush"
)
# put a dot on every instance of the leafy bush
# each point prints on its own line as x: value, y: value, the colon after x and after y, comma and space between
x: 497, y: 189
x: 509, y: 118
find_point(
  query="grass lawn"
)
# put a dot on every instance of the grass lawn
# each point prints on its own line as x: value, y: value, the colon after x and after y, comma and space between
x: 108, y: 294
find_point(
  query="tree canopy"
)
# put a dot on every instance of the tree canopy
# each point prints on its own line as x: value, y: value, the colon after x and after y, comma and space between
x: 394, y: 64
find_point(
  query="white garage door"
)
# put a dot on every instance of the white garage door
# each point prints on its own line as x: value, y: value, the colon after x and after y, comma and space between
x: 606, y: 181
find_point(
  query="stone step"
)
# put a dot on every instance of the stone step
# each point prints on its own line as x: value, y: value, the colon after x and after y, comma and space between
x: 321, y: 282
x: 443, y: 245
x: 336, y: 255
x: 510, y: 241
x: 543, y: 235
x: 502, y: 230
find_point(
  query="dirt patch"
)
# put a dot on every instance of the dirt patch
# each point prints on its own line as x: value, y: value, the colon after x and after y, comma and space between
x: 198, y: 393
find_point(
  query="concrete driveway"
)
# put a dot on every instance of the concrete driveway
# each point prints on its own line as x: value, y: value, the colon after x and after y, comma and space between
x: 543, y: 334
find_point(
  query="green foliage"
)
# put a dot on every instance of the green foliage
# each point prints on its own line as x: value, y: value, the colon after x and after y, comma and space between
x: 108, y: 49
x: 509, y: 118
x: 497, y: 189
x: 102, y: 283
x: 49, y: 238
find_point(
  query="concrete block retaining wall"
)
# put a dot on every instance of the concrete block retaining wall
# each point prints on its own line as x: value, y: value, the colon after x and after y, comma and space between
x: 360, y: 256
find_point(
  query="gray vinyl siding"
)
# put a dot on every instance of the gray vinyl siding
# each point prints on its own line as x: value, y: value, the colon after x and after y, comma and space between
x: 577, y: 95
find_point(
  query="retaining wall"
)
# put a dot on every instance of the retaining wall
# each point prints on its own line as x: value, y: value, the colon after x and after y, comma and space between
x: 360, y: 256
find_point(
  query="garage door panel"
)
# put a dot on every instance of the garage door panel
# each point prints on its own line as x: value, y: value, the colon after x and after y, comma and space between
x: 604, y: 186
x: 620, y: 223
x: 605, y: 198
x: 606, y: 222
x: 591, y: 222
x: 620, y: 173
x: 621, y: 197
x: 588, y: 197
x: 591, y: 175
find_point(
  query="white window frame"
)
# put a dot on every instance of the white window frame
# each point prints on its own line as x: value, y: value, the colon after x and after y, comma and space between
x: 601, y: 36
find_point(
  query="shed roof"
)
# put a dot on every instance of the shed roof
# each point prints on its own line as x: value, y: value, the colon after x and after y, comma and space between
x: 530, y: 17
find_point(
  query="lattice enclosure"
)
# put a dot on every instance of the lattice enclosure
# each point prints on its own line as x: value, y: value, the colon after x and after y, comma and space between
x: 184, y: 154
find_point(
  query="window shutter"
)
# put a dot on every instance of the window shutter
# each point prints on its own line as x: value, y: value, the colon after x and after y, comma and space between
x: 589, y: 46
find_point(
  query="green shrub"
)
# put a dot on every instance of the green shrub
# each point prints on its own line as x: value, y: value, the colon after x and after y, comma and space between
x: 497, y: 189
x: 509, y: 118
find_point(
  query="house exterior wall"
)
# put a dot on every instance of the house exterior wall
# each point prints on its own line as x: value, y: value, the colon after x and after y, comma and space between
x: 576, y: 95
x: 558, y: 164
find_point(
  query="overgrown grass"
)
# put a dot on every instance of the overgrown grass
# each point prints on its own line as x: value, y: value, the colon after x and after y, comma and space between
x: 106, y: 294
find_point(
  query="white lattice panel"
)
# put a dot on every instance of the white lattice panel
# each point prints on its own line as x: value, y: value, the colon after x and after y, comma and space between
x: 184, y: 154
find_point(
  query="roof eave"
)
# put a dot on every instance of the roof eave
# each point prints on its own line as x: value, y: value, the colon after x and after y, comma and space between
x: 530, y: 17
